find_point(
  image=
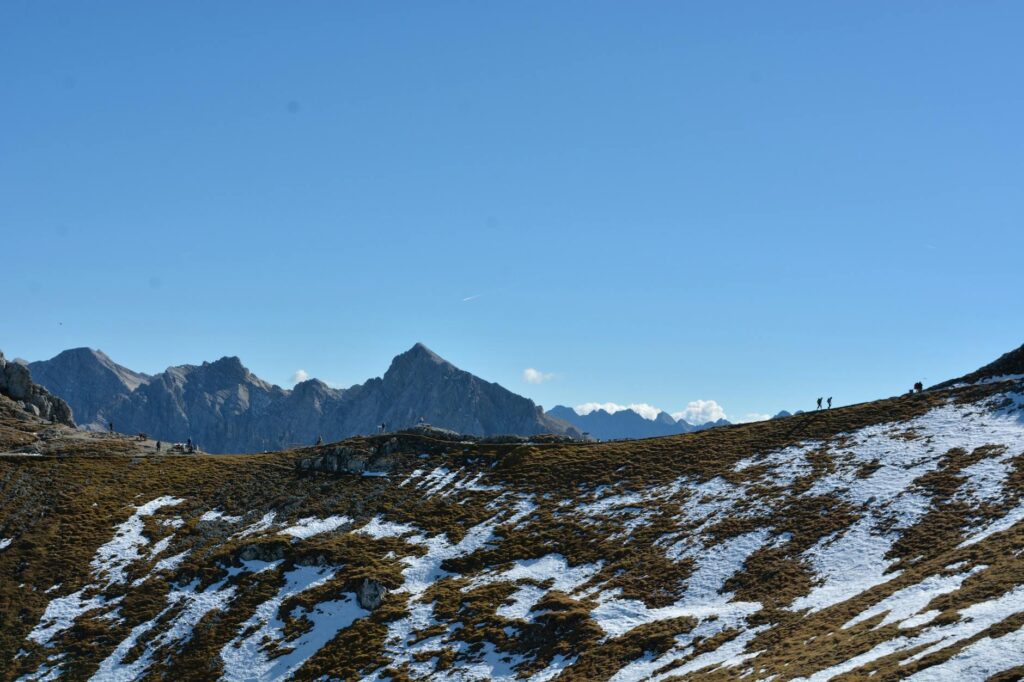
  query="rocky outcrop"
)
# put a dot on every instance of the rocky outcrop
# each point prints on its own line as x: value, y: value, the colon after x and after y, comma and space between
x: 16, y: 383
x: 371, y: 460
x: 370, y: 594
x: 223, y: 407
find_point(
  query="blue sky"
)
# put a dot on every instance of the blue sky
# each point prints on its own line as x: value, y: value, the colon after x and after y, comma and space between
x: 746, y: 202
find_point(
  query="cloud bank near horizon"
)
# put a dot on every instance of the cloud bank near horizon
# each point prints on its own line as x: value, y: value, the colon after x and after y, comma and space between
x: 696, y: 412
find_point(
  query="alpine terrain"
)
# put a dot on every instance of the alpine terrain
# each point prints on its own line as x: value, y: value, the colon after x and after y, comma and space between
x: 878, y: 541
x: 223, y: 407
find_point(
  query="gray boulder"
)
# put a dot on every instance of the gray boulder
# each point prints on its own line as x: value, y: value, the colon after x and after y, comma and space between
x: 370, y: 594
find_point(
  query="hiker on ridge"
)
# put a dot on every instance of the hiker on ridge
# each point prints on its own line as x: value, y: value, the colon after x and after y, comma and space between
x: 830, y: 402
x: 819, y: 404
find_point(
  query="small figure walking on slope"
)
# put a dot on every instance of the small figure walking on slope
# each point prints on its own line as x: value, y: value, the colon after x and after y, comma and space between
x: 319, y: 441
x: 819, y: 404
x: 830, y: 402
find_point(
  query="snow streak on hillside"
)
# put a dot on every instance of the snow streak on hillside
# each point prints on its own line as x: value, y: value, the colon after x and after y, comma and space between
x: 893, y: 549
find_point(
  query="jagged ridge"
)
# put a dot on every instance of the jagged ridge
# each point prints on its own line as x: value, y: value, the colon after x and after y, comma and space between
x: 225, y: 408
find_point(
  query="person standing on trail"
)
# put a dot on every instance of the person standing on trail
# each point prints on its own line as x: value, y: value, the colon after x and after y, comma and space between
x: 830, y: 402
x: 110, y: 425
x: 819, y: 404
x: 158, y: 446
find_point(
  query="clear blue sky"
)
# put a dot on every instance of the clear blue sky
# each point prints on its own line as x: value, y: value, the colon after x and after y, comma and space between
x: 748, y: 202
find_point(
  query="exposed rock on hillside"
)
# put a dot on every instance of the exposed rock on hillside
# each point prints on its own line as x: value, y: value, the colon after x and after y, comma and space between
x: 16, y: 383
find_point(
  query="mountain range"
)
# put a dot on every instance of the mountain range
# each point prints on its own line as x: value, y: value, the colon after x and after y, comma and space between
x: 604, y: 425
x: 223, y: 407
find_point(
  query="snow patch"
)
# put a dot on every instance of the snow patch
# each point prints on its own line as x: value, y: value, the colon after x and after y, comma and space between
x: 310, y: 526
x: 217, y: 515
x: 113, y: 558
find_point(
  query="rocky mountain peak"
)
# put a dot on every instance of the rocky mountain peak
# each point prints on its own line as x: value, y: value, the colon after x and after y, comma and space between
x: 418, y: 361
x: 88, y: 380
x: 226, y: 373
x: 419, y: 353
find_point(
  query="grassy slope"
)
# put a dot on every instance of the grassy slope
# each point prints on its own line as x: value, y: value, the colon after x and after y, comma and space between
x: 59, y: 509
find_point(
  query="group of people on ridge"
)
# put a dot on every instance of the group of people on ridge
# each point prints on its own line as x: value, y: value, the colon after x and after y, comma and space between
x: 829, y: 403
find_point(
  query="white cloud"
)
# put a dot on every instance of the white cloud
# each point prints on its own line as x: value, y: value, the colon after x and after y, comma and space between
x: 535, y: 376
x: 300, y: 376
x: 643, y: 409
x: 701, y: 411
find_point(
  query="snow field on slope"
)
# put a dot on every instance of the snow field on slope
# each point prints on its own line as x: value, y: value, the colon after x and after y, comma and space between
x: 303, y: 529
x: 887, y: 493
x: 974, y: 620
x: 552, y: 567
x: 247, y: 658
x: 901, y: 606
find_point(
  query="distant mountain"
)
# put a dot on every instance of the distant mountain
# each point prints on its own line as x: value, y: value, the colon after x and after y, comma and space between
x: 88, y: 381
x: 223, y: 407
x: 605, y: 425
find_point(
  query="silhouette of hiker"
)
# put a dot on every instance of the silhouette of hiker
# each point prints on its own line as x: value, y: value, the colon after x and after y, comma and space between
x: 158, y: 446
x: 110, y: 425
x: 830, y: 402
x: 918, y: 387
x: 819, y: 404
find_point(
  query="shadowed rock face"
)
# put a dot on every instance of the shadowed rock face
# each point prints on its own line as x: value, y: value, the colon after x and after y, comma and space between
x: 88, y: 380
x: 225, y: 408
x: 16, y: 383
